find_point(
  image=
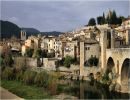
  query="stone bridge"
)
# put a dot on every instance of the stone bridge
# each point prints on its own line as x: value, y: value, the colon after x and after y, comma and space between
x: 119, y: 59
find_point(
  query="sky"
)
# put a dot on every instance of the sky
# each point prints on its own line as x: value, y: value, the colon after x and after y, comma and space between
x: 56, y: 15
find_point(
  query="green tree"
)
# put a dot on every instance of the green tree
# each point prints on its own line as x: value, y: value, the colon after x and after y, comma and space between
x: 38, y: 54
x: 100, y: 20
x: 112, y: 20
x: 120, y: 19
x: 104, y: 19
x: 92, y: 22
x: 8, y: 60
x: 93, y: 61
x: 68, y: 60
x: 29, y: 52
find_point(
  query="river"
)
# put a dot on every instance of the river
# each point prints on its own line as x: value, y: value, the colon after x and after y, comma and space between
x: 90, y: 90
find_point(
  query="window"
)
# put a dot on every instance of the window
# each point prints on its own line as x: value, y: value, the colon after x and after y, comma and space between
x: 87, y: 48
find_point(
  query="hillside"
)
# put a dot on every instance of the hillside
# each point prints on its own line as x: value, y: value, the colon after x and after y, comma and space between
x: 9, y: 29
x: 31, y: 31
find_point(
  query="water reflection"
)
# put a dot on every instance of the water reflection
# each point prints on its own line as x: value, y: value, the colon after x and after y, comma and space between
x: 92, y: 90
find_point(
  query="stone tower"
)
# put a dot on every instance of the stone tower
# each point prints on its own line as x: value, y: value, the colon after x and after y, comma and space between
x: 103, y: 47
x: 127, y: 37
x: 23, y: 35
x: 81, y: 58
x: 112, y: 38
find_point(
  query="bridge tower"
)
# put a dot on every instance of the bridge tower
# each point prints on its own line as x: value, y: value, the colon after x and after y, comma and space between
x: 127, y: 37
x: 112, y: 38
x: 81, y: 58
x: 103, y: 48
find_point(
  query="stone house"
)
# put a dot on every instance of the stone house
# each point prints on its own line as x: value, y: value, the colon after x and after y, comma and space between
x: 71, y: 49
x: 91, y: 49
x: 50, y: 63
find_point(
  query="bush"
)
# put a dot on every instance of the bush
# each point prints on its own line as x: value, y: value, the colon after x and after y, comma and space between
x: 8, y: 73
x: 20, y: 63
x: 52, y: 85
x: 41, y: 79
x: 68, y: 60
x: 29, y: 76
x: 29, y: 52
x: 19, y: 75
x: 93, y: 61
x: 7, y: 60
x: 105, y: 79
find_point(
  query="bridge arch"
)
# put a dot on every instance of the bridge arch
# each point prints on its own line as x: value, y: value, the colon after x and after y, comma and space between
x: 125, y: 71
x: 110, y: 65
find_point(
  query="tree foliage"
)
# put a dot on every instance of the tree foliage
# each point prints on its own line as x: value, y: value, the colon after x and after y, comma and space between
x: 100, y: 20
x: 28, y: 77
x: 112, y: 19
x: 37, y: 53
x: 91, y: 22
x: 68, y: 60
x: 7, y: 73
x: 6, y: 60
x: 29, y: 52
x: 93, y: 61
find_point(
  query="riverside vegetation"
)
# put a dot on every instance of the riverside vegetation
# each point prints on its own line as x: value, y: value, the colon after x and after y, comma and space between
x: 27, y: 83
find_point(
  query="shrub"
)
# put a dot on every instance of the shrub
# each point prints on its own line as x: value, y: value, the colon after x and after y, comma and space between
x: 93, y: 61
x: 8, y: 73
x: 68, y: 60
x: 29, y: 52
x: 29, y: 76
x: 52, y: 85
x: 105, y: 79
x: 19, y: 75
x: 7, y: 60
x: 20, y: 63
x: 41, y: 79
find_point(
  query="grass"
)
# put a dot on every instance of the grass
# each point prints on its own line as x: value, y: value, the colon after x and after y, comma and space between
x: 25, y: 91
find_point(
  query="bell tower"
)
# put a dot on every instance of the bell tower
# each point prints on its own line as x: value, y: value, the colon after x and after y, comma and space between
x: 23, y: 35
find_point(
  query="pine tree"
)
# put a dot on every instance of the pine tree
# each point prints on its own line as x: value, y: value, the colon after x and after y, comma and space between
x: 104, y: 20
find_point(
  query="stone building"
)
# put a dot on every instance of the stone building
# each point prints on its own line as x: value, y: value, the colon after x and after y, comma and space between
x: 50, y: 63
x: 33, y: 42
x: 23, y: 35
x: 72, y: 49
x: 91, y: 49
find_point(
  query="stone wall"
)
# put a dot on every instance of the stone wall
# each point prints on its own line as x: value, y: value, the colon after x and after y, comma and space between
x: 49, y: 63
x: 92, y: 50
x: 25, y: 61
